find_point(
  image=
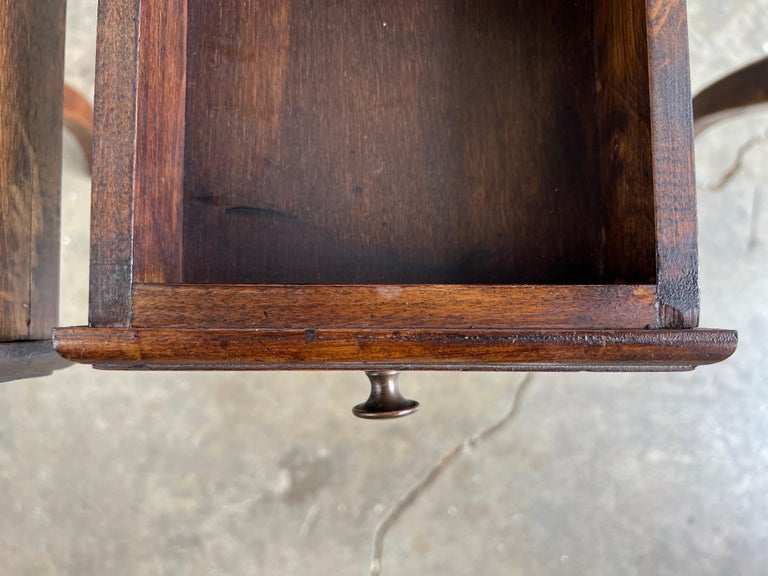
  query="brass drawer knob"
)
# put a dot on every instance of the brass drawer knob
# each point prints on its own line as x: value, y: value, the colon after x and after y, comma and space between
x: 385, y: 400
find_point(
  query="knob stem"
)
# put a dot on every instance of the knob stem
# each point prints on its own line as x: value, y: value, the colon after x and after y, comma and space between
x: 385, y: 400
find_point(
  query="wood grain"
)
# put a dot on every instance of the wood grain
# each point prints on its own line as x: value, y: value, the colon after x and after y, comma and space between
x: 158, y: 204
x: 429, y: 306
x: 114, y: 163
x: 624, y: 122
x: 31, y: 84
x: 673, y: 165
x: 400, y: 349
x: 391, y: 142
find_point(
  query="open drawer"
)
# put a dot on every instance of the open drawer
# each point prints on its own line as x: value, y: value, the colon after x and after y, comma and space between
x: 391, y: 185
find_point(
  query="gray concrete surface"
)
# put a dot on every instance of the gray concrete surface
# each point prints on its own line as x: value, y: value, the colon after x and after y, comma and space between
x: 227, y: 473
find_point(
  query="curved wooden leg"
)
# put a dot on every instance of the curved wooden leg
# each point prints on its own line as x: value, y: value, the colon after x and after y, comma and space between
x: 736, y: 93
x: 78, y: 119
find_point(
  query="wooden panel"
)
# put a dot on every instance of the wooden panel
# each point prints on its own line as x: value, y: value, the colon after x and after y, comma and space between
x: 624, y: 118
x: 401, y: 349
x: 114, y: 143
x: 673, y: 165
x: 31, y: 87
x: 160, y: 142
x: 391, y: 142
x: 394, y: 306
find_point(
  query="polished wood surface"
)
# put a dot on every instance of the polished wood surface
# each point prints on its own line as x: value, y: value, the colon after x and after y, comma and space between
x: 158, y: 184
x: 428, y: 306
x: 394, y: 349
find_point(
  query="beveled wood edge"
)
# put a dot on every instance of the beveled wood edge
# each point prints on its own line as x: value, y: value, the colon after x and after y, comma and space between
x: 393, y: 306
x: 673, y: 164
x: 379, y: 366
x: 395, y: 349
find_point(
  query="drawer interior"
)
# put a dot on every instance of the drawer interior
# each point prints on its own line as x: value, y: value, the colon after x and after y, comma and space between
x: 413, y: 142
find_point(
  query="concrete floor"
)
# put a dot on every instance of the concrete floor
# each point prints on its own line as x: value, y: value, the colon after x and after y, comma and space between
x: 229, y: 473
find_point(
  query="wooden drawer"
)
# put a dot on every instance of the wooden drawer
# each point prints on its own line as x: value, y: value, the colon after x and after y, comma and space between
x: 394, y: 185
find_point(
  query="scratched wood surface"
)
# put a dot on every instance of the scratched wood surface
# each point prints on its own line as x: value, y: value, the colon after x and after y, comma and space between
x: 114, y: 161
x: 400, y: 349
x: 677, y: 264
x: 31, y: 87
x: 392, y: 142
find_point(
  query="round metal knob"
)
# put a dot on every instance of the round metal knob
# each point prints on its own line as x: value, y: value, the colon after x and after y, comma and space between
x: 385, y: 400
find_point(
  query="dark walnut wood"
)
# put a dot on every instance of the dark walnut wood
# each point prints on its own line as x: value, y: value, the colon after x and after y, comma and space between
x: 673, y: 167
x: 430, y: 306
x: 409, y: 349
x: 388, y: 185
x: 737, y: 93
x: 31, y: 82
x: 159, y: 171
x: 624, y: 120
x: 114, y: 163
x: 391, y: 143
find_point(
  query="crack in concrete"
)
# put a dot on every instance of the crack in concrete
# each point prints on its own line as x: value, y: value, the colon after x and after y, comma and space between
x: 754, y: 222
x: 738, y: 164
x: 410, y: 496
x: 309, y: 520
